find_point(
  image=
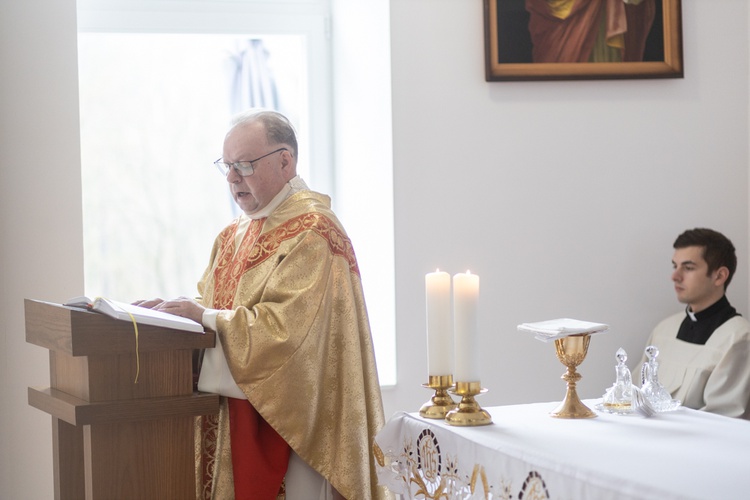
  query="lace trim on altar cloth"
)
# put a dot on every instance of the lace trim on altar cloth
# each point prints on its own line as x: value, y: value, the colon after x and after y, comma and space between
x: 420, y: 470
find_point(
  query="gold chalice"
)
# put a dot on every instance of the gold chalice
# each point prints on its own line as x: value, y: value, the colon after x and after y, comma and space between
x: 571, y: 351
x: 441, y: 402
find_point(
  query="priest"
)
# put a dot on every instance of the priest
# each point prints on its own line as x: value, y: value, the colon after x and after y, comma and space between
x: 294, y: 359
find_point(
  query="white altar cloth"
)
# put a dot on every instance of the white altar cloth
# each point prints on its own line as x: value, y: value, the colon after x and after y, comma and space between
x: 526, y: 454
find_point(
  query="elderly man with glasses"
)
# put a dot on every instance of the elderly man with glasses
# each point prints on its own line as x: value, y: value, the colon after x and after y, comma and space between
x: 294, y: 358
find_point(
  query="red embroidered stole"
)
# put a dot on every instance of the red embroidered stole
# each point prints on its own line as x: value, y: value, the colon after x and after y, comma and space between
x: 259, y: 455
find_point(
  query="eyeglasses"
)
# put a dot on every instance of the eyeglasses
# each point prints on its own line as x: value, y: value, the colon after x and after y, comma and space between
x: 244, y: 168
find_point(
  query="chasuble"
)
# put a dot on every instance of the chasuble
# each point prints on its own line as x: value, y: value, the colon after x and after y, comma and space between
x: 294, y: 329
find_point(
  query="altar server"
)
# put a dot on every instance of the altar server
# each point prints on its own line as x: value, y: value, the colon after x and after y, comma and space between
x: 704, y: 351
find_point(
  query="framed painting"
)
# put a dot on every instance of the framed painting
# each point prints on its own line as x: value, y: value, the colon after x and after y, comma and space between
x: 582, y: 39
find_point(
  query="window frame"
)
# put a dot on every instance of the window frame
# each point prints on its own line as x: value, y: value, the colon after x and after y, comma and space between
x: 367, y: 146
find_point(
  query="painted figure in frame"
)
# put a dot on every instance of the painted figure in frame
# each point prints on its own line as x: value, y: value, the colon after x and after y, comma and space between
x: 573, y: 31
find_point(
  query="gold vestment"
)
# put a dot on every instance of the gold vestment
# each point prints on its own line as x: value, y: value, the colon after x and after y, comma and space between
x: 296, y: 337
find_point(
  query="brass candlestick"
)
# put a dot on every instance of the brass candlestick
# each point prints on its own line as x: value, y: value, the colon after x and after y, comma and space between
x: 571, y: 352
x: 468, y: 413
x: 441, y: 403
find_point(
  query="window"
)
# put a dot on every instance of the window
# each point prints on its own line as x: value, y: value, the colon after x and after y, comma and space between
x: 150, y: 128
x: 155, y: 100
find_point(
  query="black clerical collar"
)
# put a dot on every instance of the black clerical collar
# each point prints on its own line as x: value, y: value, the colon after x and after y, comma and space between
x: 697, y: 328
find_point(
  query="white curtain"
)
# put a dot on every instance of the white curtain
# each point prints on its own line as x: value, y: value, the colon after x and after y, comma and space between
x: 251, y: 80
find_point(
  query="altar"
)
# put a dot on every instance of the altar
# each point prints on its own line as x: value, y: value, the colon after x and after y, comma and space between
x: 526, y: 454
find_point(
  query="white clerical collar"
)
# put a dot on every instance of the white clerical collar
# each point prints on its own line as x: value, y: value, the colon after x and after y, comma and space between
x: 294, y: 185
x: 691, y: 314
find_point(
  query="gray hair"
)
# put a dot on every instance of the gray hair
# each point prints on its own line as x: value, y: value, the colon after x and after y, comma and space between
x: 279, y: 129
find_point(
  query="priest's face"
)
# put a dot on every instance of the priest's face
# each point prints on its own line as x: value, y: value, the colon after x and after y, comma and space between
x: 692, y: 282
x: 246, y: 142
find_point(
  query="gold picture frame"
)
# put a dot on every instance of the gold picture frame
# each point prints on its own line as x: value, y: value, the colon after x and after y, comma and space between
x: 510, y: 53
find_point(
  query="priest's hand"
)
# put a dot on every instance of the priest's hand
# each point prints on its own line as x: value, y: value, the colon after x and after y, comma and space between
x: 148, y: 304
x: 182, y: 306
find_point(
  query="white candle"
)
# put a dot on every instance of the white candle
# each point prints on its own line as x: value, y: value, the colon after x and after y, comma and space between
x: 439, y: 325
x: 465, y: 299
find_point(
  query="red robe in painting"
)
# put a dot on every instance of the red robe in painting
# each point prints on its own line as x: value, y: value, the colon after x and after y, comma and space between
x: 571, y: 39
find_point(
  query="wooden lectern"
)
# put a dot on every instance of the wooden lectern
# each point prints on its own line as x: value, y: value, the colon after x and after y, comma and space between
x: 114, y: 438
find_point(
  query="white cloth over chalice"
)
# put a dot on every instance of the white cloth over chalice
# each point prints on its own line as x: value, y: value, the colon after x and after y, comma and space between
x: 554, y: 329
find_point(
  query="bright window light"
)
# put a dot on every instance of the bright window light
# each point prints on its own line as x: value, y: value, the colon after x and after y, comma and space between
x: 155, y: 105
x: 154, y: 111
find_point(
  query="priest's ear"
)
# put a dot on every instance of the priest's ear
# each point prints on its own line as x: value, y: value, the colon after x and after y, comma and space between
x: 288, y: 162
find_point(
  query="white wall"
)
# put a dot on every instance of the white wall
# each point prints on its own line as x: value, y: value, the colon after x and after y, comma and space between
x: 564, y: 196
x: 40, y: 196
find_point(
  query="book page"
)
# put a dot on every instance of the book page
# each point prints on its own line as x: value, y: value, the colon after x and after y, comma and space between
x: 143, y: 315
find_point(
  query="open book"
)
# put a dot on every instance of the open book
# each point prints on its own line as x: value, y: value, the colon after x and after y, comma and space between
x: 142, y: 315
